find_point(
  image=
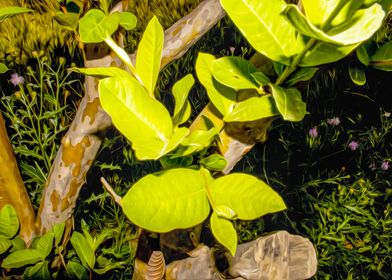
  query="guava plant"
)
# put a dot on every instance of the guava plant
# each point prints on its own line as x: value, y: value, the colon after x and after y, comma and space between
x: 294, y: 39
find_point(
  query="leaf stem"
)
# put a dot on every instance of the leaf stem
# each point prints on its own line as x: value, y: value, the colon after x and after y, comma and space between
x: 110, y: 190
x: 287, y: 72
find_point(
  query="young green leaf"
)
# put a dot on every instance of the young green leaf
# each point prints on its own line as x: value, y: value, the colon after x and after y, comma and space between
x: 83, y: 249
x: 357, y: 75
x: 196, y: 141
x: 39, y: 271
x: 6, y: 12
x: 21, y: 258
x: 361, y: 27
x: 140, y: 117
x: 148, y: 57
x: 176, y: 199
x: 323, y: 53
x: 319, y: 11
x: 128, y: 20
x: 222, y: 97
x: 17, y: 244
x: 9, y: 222
x: 225, y: 212
x: 3, y: 68
x: 180, y: 92
x: 362, y: 55
x: 247, y: 196
x: 300, y: 75
x: 95, y: 26
x: 168, y: 163
x: 106, y: 265
x: 58, y: 231
x: 68, y: 20
x: 382, y: 59
x: 279, y: 68
x: 214, y: 162
x: 224, y: 232
x: 76, y: 271
x: 289, y: 103
x: 45, y: 244
x: 102, y: 72
x: 5, y: 244
x: 253, y: 108
x: 234, y: 72
x: 261, y: 23
x: 260, y: 78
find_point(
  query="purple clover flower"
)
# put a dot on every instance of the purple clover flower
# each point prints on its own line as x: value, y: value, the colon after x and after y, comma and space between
x: 16, y: 79
x: 313, y: 132
x: 335, y: 121
x: 385, y: 165
x: 353, y: 145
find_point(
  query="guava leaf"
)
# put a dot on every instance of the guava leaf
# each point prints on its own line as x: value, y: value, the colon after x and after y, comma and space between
x: 5, y: 244
x: 149, y: 52
x: 181, y: 105
x: 21, y: 258
x: 127, y: 20
x: 83, y: 249
x: 260, y: 78
x: 45, y: 244
x: 75, y: 270
x: 249, y: 197
x: 357, y: 75
x: 253, y: 108
x: 234, y: 72
x: 95, y: 26
x: 3, y: 68
x: 9, y: 222
x: 289, y: 103
x: 382, y: 59
x: 221, y: 96
x: 300, y: 75
x: 167, y: 200
x: 214, y: 162
x: 224, y: 232
x: 261, y: 23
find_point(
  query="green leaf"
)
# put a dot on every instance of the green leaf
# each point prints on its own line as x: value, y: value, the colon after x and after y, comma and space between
x: 95, y: 26
x: 21, y: 258
x: 382, y: 59
x: 102, y: 72
x: 260, y: 78
x: 357, y: 75
x: 225, y: 212
x: 289, y: 103
x: 75, y: 270
x: 362, y: 55
x: 300, y: 75
x: 45, y: 244
x: 148, y: 57
x: 167, y: 162
x: 5, y: 244
x: 249, y: 197
x: 167, y: 200
x: 224, y: 232
x: 261, y: 23
x: 180, y: 92
x: 127, y: 20
x: 3, y: 68
x: 279, y: 68
x: 323, y: 53
x: 106, y: 265
x: 196, y: 141
x: 101, y: 237
x: 83, y: 249
x: 9, y: 222
x: 58, y: 231
x: 10, y: 11
x: 17, y: 244
x: 319, y: 11
x: 234, y: 72
x: 361, y: 27
x: 67, y: 20
x: 140, y: 117
x: 39, y: 271
x: 221, y: 96
x: 214, y: 162
x: 253, y: 108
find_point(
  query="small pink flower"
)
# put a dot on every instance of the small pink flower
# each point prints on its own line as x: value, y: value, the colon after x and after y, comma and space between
x: 372, y: 166
x: 16, y: 79
x: 334, y: 121
x: 232, y: 49
x: 385, y: 165
x: 313, y: 132
x: 353, y: 145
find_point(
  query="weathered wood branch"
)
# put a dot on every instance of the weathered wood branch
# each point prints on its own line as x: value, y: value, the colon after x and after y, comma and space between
x: 12, y: 189
x: 80, y: 145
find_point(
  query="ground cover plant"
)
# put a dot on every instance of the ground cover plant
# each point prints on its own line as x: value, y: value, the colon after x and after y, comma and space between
x: 244, y: 102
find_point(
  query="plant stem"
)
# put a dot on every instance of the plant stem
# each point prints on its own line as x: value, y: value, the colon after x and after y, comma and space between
x: 110, y: 190
x: 286, y: 73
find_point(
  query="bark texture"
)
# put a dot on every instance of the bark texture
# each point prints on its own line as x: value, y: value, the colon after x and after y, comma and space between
x: 80, y: 145
x: 12, y: 189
